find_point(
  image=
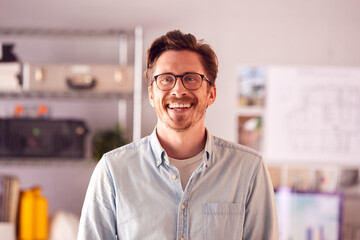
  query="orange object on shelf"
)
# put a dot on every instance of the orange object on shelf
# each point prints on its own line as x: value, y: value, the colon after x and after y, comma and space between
x: 42, y: 111
x: 19, y: 111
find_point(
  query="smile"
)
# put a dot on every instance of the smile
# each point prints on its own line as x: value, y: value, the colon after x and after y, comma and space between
x: 178, y: 105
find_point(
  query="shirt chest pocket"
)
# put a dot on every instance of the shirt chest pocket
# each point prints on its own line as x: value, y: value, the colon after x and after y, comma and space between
x: 223, y: 221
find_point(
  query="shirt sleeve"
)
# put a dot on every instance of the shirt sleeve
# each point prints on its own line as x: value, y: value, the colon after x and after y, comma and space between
x: 260, y: 214
x: 98, y: 216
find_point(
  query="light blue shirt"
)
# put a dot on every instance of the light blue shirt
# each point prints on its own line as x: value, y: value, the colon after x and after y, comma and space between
x: 135, y: 194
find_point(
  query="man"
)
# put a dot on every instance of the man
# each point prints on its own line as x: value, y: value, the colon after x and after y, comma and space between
x: 180, y: 182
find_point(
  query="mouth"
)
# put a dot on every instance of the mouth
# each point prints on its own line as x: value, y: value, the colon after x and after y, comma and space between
x: 179, y: 106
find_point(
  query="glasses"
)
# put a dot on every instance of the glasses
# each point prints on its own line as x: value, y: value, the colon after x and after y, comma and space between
x: 191, y: 81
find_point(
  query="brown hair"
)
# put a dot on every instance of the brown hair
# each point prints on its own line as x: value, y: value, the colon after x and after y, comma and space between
x: 176, y: 40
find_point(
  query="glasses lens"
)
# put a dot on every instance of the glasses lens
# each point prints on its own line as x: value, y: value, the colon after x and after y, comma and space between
x: 165, y: 81
x: 192, y: 81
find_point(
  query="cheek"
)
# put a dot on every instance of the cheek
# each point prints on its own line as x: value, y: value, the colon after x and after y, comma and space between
x: 157, y: 102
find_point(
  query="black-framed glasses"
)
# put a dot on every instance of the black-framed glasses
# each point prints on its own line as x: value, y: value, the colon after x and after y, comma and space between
x: 191, y: 81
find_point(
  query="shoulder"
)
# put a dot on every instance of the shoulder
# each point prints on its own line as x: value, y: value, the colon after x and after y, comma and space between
x: 127, y: 151
x: 130, y: 146
x: 125, y: 159
x: 236, y: 148
x: 235, y: 155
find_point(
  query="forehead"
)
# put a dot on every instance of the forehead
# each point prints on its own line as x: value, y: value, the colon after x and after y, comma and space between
x: 178, y: 62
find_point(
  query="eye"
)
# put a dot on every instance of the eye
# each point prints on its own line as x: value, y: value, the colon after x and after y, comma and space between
x: 165, y: 79
x: 192, y: 78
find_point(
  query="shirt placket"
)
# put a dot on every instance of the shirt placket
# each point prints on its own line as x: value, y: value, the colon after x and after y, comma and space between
x: 183, y: 212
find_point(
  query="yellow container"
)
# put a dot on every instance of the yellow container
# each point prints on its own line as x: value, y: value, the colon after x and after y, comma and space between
x: 26, y: 215
x: 33, y: 219
x: 41, y: 218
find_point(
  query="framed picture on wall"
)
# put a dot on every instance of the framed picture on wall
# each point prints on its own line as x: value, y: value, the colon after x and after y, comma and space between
x: 251, y: 86
x: 250, y: 131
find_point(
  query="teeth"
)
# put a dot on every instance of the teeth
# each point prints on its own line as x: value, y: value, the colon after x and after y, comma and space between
x: 179, y: 105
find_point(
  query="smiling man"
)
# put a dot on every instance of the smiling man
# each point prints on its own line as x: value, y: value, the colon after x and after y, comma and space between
x: 180, y: 182
x: 180, y: 97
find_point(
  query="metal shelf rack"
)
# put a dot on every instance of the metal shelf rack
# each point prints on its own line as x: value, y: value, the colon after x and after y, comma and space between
x: 121, y: 35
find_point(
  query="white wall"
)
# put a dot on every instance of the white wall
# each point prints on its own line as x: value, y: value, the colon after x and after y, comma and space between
x: 289, y: 32
x: 272, y: 32
x: 319, y: 32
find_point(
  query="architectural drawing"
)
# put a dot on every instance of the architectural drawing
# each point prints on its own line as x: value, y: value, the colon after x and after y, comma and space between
x: 313, y: 115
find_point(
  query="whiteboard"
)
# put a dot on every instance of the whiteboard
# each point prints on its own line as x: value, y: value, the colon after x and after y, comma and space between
x: 312, y: 115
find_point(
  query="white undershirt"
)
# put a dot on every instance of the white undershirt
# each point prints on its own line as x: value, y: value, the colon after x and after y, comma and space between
x: 186, y: 167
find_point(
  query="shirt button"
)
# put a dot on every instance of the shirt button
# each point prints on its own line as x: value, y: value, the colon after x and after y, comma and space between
x: 174, y: 177
x: 158, y: 162
x: 182, y: 206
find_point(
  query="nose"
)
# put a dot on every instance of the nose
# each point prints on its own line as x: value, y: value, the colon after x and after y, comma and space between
x: 179, y: 89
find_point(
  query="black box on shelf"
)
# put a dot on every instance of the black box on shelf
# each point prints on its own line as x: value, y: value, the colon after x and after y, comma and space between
x: 40, y: 138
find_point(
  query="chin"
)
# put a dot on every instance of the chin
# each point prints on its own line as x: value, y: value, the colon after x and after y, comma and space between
x: 179, y: 127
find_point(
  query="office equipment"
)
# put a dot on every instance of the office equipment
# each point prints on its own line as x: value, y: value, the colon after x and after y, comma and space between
x: 30, y: 137
x: 95, y: 78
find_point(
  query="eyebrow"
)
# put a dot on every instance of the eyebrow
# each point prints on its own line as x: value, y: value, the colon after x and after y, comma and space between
x: 179, y: 74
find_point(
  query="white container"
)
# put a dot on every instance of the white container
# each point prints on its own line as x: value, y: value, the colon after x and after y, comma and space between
x: 7, y: 231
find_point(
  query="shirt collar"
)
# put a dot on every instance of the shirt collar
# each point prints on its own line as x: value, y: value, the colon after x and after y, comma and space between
x: 158, y: 150
x: 160, y: 154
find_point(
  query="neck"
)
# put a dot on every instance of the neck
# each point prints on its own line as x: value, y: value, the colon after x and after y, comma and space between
x: 182, y: 144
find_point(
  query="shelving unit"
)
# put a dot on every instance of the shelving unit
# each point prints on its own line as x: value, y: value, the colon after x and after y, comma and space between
x: 60, y: 177
x: 133, y: 101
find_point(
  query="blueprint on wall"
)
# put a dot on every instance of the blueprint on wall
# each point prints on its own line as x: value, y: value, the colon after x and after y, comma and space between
x: 313, y: 115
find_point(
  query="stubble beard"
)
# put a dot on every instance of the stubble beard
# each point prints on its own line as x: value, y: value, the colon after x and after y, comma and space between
x: 179, y: 126
x: 180, y: 123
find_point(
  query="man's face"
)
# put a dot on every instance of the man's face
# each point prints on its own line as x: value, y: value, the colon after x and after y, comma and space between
x: 179, y: 108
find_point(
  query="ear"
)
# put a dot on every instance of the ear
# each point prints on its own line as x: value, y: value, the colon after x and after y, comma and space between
x: 211, y: 95
x: 151, y: 95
